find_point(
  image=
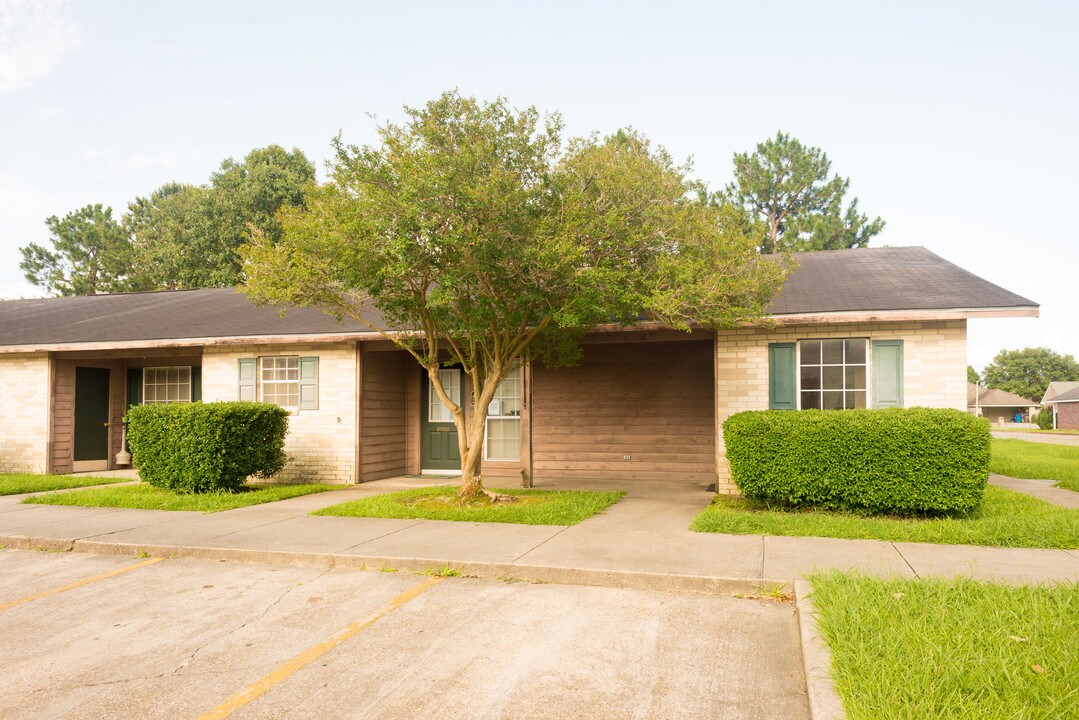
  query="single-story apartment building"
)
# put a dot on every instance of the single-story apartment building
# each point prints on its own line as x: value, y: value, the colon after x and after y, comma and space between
x: 1063, y: 399
x: 999, y: 406
x: 863, y: 328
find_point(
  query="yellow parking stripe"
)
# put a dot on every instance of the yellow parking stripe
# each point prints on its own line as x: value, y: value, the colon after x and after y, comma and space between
x: 282, y: 672
x: 80, y: 583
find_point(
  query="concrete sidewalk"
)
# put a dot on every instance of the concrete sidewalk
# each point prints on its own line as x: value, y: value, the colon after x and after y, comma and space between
x: 641, y: 541
x: 1049, y: 438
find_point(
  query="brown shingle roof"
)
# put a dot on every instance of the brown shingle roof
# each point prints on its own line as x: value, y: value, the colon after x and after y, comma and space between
x: 870, y: 279
x: 903, y: 278
x: 993, y: 397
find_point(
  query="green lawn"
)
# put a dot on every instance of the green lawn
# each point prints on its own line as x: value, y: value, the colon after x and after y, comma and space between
x: 1004, y: 519
x: 1041, y: 461
x: 538, y: 507
x: 19, y: 483
x: 148, y: 497
x: 951, y: 648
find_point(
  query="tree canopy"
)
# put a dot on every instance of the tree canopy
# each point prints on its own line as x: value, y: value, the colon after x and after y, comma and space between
x: 90, y: 254
x: 784, y: 185
x: 1029, y: 371
x: 474, y: 226
x: 179, y: 236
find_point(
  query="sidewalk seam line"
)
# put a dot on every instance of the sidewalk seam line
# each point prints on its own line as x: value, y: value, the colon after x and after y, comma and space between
x: 379, y: 537
x: 904, y: 558
x: 543, y: 542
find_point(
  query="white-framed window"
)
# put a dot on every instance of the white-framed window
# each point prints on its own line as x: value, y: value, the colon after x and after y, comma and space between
x: 504, y: 419
x: 451, y: 383
x: 832, y: 374
x: 166, y: 385
x: 279, y: 380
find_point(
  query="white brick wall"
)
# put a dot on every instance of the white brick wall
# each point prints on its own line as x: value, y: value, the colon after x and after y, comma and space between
x: 322, y: 443
x: 934, y: 367
x: 24, y: 413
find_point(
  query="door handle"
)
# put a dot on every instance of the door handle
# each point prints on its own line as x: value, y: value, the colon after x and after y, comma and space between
x: 106, y: 424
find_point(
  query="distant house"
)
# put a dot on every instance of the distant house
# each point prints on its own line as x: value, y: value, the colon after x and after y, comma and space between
x: 1063, y: 399
x: 864, y: 328
x: 999, y: 406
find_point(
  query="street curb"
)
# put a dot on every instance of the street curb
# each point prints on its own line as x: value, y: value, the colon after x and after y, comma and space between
x: 824, y: 702
x: 511, y: 572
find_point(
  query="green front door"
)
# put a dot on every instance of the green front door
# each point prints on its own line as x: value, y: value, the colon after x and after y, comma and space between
x: 438, y: 434
x: 91, y: 419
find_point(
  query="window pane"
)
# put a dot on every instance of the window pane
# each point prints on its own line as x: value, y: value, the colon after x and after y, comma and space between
x: 832, y: 352
x: 811, y: 377
x: 856, y: 400
x: 833, y: 377
x: 810, y: 352
x: 855, y: 352
x: 503, y: 439
x: 856, y: 377
x: 833, y: 400
x: 811, y: 401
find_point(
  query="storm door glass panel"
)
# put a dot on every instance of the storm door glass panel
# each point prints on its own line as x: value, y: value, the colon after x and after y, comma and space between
x: 451, y: 383
x: 832, y: 374
x: 504, y: 419
x: 279, y: 380
x: 166, y: 385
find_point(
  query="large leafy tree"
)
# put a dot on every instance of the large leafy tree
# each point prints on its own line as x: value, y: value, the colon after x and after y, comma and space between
x: 187, y: 236
x: 475, y: 228
x: 90, y: 254
x: 1029, y: 371
x: 785, y: 186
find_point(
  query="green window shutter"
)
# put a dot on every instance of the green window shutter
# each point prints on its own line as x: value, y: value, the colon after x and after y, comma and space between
x: 781, y: 384
x: 134, y: 387
x: 196, y: 384
x: 309, y: 383
x: 248, y: 373
x: 887, y: 373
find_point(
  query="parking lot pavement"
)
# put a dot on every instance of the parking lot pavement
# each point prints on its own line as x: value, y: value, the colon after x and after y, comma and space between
x: 193, y: 639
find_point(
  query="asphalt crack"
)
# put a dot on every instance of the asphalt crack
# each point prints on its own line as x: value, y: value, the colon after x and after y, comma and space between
x: 191, y: 658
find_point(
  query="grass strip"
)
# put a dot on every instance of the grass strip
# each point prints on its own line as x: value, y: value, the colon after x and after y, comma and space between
x: 950, y: 648
x: 1040, y: 461
x: 1004, y: 519
x: 148, y: 497
x: 19, y: 483
x: 538, y: 507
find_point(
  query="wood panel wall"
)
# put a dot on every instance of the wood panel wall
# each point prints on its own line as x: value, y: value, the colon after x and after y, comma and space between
x: 62, y: 433
x: 383, y: 418
x: 652, y: 402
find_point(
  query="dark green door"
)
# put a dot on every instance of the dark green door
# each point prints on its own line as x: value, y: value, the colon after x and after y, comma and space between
x: 438, y: 434
x: 92, y: 416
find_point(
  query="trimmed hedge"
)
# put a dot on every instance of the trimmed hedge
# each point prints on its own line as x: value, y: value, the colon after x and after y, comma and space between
x: 206, y: 447
x: 905, y: 461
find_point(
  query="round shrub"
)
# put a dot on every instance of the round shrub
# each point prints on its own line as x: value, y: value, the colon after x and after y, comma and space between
x: 206, y: 447
x: 904, y: 461
x: 1044, y: 419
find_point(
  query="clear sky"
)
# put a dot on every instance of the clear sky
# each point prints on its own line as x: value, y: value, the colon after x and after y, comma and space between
x: 957, y: 122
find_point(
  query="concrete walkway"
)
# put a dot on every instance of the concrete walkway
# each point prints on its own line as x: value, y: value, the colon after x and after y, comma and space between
x: 641, y: 541
x: 1041, y: 489
x: 1049, y: 438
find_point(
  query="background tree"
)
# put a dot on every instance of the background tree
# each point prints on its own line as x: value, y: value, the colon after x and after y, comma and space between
x: 471, y: 224
x: 973, y: 376
x: 186, y: 236
x: 1029, y: 371
x: 785, y: 186
x: 180, y: 236
x: 90, y: 254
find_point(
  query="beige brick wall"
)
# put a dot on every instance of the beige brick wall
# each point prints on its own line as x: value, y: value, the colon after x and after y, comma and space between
x: 934, y: 367
x: 24, y: 414
x: 322, y: 443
